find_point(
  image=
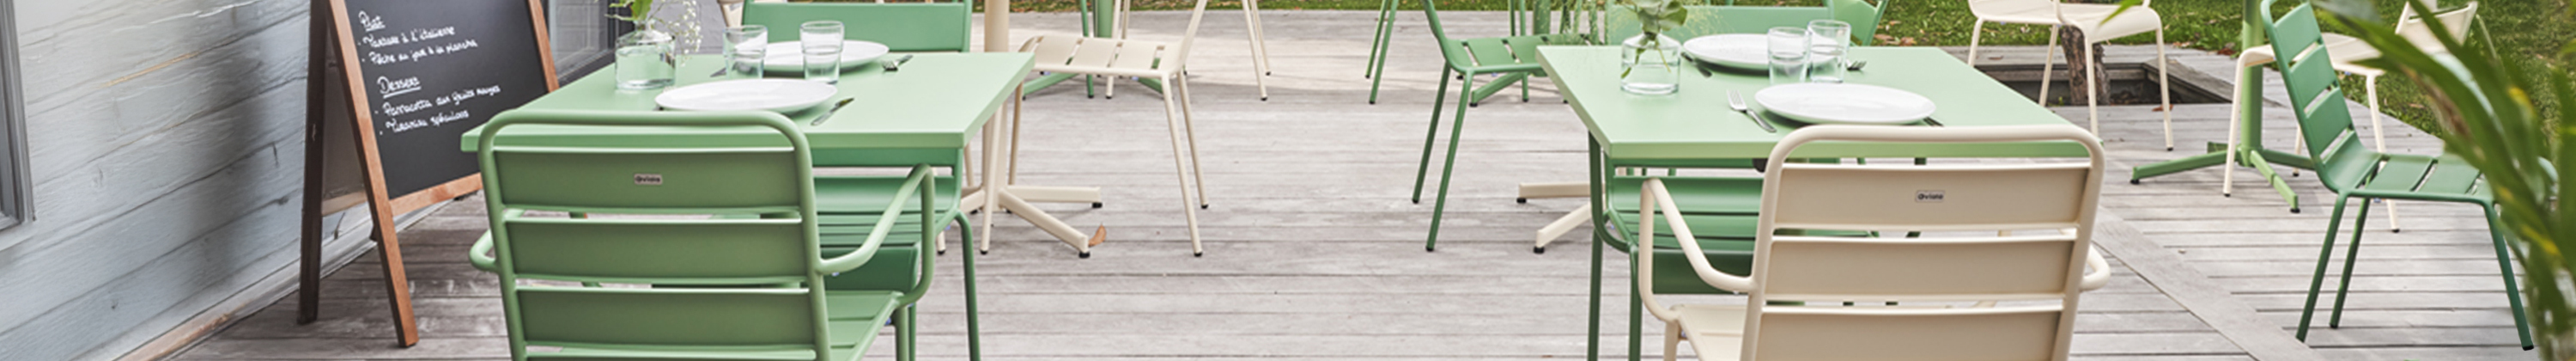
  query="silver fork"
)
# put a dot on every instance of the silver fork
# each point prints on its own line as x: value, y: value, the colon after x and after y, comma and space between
x: 1735, y: 100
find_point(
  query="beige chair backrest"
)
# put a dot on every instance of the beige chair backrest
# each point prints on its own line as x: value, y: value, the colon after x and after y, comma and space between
x: 1984, y: 266
x: 2416, y: 30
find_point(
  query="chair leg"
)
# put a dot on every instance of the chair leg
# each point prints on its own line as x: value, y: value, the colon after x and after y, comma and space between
x: 2504, y: 262
x: 1976, y: 34
x: 1672, y: 341
x: 1423, y: 169
x: 1377, y: 39
x: 974, y: 326
x: 2379, y: 138
x: 2235, y: 121
x: 1449, y: 166
x: 1386, y: 35
x: 2334, y: 221
x: 1180, y: 169
x: 2351, y: 256
x: 1198, y: 174
x: 2092, y: 86
x: 2164, y: 83
x: 904, y: 334
x: 2048, y: 64
x: 1260, y: 56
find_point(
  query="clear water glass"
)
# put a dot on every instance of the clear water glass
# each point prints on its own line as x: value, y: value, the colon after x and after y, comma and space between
x: 821, y: 41
x: 1827, y: 41
x: 745, y: 48
x: 1788, y: 53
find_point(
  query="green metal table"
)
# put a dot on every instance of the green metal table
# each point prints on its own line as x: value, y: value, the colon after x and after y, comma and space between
x: 924, y: 114
x: 1695, y: 128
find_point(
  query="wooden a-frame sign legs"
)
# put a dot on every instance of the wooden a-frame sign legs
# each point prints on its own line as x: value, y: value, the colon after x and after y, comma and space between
x: 397, y: 286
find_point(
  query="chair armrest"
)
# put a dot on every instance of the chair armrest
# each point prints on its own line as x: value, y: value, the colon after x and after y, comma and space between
x: 2098, y: 271
x: 483, y: 262
x: 1655, y: 196
x: 916, y: 185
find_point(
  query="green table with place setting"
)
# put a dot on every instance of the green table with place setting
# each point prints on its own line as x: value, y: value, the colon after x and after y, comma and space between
x: 1699, y: 124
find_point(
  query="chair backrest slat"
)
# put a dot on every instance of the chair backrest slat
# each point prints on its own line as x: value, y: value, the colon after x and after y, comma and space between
x: 1910, y: 197
x: 2015, y: 334
x: 730, y: 251
x: 745, y: 318
x: 636, y: 178
x: 2056, y: 198
x: 904, y: 27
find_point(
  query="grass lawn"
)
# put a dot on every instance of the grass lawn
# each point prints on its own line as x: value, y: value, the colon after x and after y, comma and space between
x: 2529, y: 30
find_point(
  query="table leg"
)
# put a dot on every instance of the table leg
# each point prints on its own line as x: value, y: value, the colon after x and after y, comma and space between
x: 1592, y: 175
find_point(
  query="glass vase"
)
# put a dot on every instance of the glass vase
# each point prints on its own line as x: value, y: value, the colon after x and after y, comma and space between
x: 645, y: 60
x: 1650, y: 66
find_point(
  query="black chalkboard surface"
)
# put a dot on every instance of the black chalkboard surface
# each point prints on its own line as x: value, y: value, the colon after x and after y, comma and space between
x: 431, y: 69
x: 417, y: 75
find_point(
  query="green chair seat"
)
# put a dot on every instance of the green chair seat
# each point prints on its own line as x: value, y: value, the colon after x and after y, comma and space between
x: 2443, y: 178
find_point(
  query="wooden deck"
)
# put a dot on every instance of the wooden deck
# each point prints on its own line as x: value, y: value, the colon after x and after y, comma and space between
x: 1314, y: 252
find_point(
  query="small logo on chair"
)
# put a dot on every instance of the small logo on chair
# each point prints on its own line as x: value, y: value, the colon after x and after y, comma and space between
x: 648, y: 179
x: 1928, y: 196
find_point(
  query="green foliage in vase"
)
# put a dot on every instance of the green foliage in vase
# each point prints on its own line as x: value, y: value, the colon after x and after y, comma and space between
x: 684, y: 31
x: 1653, y: 18
x: 2487, y: 107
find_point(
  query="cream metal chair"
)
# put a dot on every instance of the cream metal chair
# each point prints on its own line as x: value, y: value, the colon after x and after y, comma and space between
x: 1790, y: 268
x: 2348, y: 51
x: 1252, y: 23
x: 1165, y: 62
x: 2097, y: 24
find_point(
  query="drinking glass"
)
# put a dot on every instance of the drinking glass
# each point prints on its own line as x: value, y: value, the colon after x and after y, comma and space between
x: 1827, y: 41
x: 1788, y: 52
x: 745, y: 48
x: 821, y: 40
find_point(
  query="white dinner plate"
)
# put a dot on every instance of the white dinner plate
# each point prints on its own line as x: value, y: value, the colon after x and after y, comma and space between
x: 790, y: 56
x: 777, y: 95
x: 1741, y: 51
x: 1826, y: 103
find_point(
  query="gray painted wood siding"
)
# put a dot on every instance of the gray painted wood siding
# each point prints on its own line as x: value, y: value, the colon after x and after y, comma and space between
x: 166, y: 152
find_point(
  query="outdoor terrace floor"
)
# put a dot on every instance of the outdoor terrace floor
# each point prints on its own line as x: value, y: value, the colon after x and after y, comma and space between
x: 1314, y: 252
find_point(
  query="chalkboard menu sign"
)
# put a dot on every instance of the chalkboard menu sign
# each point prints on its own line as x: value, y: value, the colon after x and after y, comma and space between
x: 415, y: 75
x: 429, y: 70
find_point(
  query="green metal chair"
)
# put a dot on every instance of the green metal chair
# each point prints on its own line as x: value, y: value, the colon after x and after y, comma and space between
x: 750, y: 283
x: 902, y: 27
x: 2352, y: 170
x: 1736, y: 19
x: 1514, y: 58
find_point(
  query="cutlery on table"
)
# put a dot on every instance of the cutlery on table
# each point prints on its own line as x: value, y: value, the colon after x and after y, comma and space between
x: 1854, y: 65
x: 1933, y: 122
x: 898, y: 63
x: 827, y: 113
x: 1735, y: 100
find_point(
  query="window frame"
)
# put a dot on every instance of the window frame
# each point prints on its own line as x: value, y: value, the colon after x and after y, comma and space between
x: 13, y: 118
x: 567, y: 69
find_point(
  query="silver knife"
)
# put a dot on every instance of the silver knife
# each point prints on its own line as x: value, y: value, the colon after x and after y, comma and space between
x: 827, y: 113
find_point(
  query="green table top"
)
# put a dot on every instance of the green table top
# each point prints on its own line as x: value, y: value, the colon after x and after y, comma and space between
x: 937, y: 101
x: 1695, y: 123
